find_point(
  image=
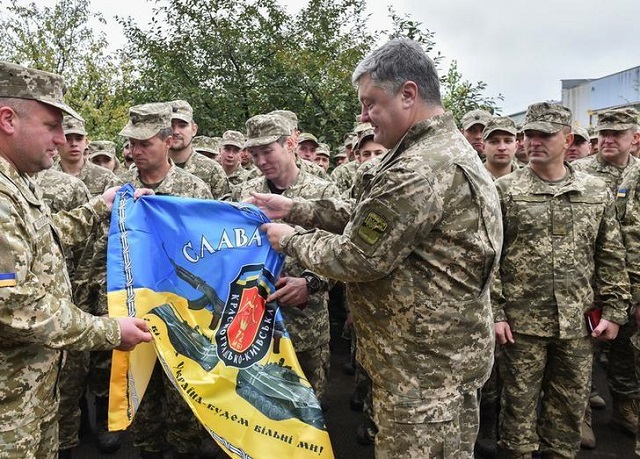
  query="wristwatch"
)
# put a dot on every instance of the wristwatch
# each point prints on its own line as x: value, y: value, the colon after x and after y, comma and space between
x: 314, y: 284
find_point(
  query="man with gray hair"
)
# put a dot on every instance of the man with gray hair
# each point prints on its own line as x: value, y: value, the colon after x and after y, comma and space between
x: 417, y: 250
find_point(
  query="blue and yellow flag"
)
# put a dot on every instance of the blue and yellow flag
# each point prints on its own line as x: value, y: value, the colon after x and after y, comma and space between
x: 199, y: 273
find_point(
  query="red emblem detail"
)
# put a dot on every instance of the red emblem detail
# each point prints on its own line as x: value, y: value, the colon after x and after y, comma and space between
x: 243, y: 329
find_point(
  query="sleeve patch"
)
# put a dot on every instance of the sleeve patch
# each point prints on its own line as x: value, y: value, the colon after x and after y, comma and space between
x: 7, y: 279
x: 373, y: 226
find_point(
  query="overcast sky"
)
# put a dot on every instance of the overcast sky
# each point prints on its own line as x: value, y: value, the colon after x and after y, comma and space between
x: 521, y: 49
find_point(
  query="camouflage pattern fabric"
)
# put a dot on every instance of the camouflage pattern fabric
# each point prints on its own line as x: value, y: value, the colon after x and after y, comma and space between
x: 610, y: 173
x: 64, y: 192
x: 208, y: 171
x: 308, y: 328
x: 417, y: 254
x: 558, y: 237
x: 562, y: 403
x: 163, y: 416
x: 238, y: 176
x: 344, y: 175
x: 37, y: 316
x: 312, y: 168
x: 96, y: 178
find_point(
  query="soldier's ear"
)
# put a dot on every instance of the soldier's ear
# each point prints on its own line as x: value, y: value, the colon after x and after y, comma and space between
x: 8, y: 117
x: 409, y: 92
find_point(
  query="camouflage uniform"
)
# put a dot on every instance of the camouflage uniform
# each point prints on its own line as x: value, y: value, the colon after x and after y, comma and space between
x: 37, y: 316
x: 417, y: 254
x: 64, y: 192
x: 209, y: 171
x: 624, y: 386
x: 308, y: 328
x: 557, y: 238
x: 344, y: 175
x: 163, y: 416
x: 238, y: 176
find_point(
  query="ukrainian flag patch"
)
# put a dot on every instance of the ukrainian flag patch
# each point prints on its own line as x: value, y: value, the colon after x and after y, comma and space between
x: 7, y: 279
x: 622, y: 193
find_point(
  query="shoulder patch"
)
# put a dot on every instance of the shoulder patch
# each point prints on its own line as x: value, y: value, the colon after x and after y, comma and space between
x: 622, y: 193
x: 7, y: 279
x: 373, y: 226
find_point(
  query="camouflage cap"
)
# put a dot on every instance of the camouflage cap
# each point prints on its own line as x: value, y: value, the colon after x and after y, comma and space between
x: 234, y: 138
x: 360, y: 128
x: 289, y: 116
x: 581, y: 132
x: 102, y: 147
x: 71, y: 125
x: 365, y: 135
x: 475, y: 117
x: 266, y: 129
x: 546, y: 117
x: 324, y: 150
x: 499, y: 123
x: 25, y: 83
x: 350, y: 139
x: 204, y: 143
x: 618, y: 119
x: 341, y: 154
x: 181, y: 110
x: 307, y: 137
x: 146, y: 120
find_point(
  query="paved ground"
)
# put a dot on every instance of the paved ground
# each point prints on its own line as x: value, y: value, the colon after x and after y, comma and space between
x: 342, y: 422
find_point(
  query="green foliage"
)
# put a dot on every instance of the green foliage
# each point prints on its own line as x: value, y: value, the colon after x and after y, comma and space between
x: 59, y: 39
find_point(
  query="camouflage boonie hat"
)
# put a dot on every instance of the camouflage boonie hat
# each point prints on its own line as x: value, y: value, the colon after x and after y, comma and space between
x: 146, y: 120
x: 308, y: 137
x: 367, y: 134
x: 618, y: 119
x: 102, y: 147
x: 546, y: 117
x: 266, y: 129
x: 499, y: 123
x: 25, y: 83
x: 324, y: 150
x: 581, y: 132
x: 289, y: 116
x: 71, y: 125
x: 204, y: 143
x: 234, y: 138
x: 475, y: 117
x: 181, y: 110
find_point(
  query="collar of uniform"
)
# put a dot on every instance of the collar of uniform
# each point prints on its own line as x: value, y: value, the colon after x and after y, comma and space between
x: 603, y: 166
x: 165, y: 185
x: 20, y: 182
x: 539, y: 186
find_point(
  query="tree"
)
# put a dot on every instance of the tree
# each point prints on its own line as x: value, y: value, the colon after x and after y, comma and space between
x: 58, y: 39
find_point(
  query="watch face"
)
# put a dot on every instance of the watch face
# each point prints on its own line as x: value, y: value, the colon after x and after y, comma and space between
x: 313, y: 283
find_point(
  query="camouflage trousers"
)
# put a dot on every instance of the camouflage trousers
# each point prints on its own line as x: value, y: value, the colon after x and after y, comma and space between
x: 622, y: 379
x: 555, y: 374
x: 164, y: 418
x: 635, y: 343
x: 315, y: 366
x: 72, y: 382
x: 425, y: 428
x: 36, y: 440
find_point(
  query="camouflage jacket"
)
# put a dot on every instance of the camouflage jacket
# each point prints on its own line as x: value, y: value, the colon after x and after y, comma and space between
x: 417, y: 254
x: 177, y: 182
x: 96, y: 178
x: 611, y: 174
x: 208, y: 171
x: 628, y: 205
x: 238, y: 176
x: 557, y: 240
x: 37, y: 317
x: 312, y: 168
x: 308, y: 328
x: 344, y: 175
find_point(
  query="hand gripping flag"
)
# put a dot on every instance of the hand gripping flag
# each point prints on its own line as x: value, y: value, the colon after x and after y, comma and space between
x: 199, y: 273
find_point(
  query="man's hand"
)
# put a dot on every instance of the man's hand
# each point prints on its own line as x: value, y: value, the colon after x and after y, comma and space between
x: 274, y: 206
x: 133, y: 331
x: 605, y: 330
x: 291, y: 291
x: 110, y: 194
x: 503, y: 333
x: 275, y: 231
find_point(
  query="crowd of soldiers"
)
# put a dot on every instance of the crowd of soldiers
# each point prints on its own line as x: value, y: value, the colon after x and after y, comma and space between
x: 407, y: 215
